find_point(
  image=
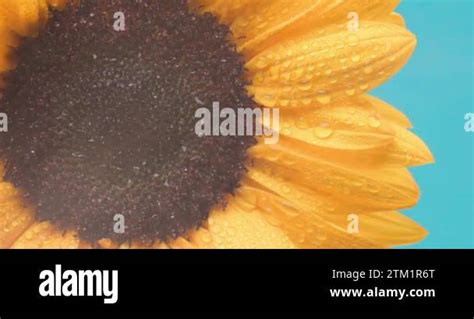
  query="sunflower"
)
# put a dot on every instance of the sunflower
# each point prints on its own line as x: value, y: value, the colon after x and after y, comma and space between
x: 69, y: 81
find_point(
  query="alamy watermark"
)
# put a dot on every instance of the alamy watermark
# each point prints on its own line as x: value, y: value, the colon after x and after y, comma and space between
x: 3, y: 123
x: 260, y: 122
x: 469, y: 122
x: 353, y: 224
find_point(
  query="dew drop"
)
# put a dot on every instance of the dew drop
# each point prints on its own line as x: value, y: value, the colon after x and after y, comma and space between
x: 302, y: 123
x: 352, y: 40
x: 286, y: 189
x: 374, y: 122
x: 286, y: 131
x: 270, y: 100
x: 262, y: 63
x: 323, y: 131
x: 324, y: 98
x: 351, y: 92
x: 355, y: 58
x: 206, y: 238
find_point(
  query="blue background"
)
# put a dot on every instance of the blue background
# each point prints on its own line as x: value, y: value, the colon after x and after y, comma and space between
x: 435, y: 90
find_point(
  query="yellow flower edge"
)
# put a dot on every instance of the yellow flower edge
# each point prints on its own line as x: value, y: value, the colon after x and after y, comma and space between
x: 304, y: 59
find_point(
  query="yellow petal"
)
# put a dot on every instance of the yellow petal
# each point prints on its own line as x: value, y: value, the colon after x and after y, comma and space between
x: 45, y: 235
x: 364, y: 131
x: 360, y: 150
x: 268, y: 22
x: 301, y: 197
x: 236, y: 228
x: 305, y: 229
x: 15, y: 218
x: 23, y: 16
x: 347, y: 126
x: 388, y: 229
x: 392, y: 228
x: 329, y: 66
x: 408, y: 149
x: 388, y: 112
x: 160, y: 245
x: 202, y: 238
x: 381, y: 188
x: 107, y: 243
x: 58, y: 4
x: 181, y: 243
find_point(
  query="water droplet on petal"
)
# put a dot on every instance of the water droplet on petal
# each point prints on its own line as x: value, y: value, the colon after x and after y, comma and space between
x: 355, y: 58
x: 323, y: 131
x: 374, y: 122
x: 351, y: 92
x: 323, y: 97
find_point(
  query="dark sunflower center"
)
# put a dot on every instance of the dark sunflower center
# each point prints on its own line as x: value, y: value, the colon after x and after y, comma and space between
x: 101, y: 120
